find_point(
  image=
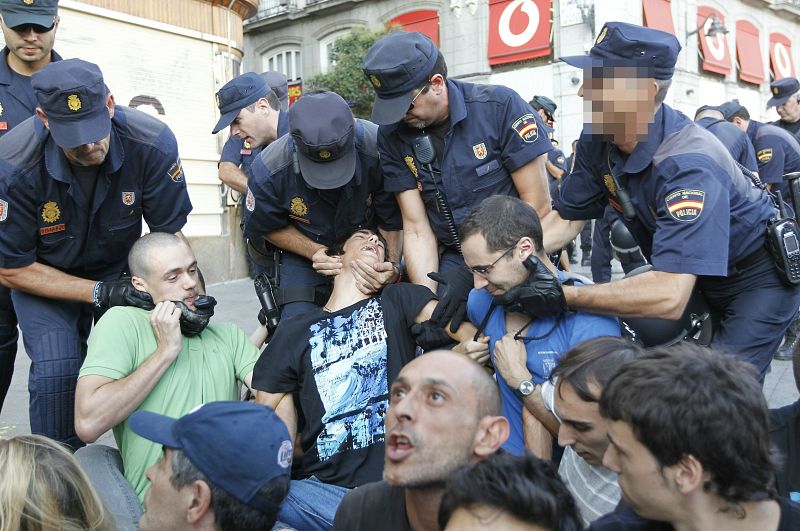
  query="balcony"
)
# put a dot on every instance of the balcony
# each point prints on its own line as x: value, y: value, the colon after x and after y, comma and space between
x: 271, y: 12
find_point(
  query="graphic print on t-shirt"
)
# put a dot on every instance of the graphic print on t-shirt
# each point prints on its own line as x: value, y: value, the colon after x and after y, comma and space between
x: 348, y: 359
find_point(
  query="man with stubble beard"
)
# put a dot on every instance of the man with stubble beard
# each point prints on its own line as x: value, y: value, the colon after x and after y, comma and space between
x: 444, y: 413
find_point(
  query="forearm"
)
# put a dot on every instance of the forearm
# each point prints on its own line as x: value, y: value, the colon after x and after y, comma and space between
x: 554, y: 170
x: 535, y: 405
x: 49, y: 282
x: 651, y: 294
x: 233, y: 176
x: 394, y: 239
x: 537, y: 437
x: 421, y: 256
x: 292, y: 240
x: 558, y: 232
x: 532, y: 185
x: 288, y: 414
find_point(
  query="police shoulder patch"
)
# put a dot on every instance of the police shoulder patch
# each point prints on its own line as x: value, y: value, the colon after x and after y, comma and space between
x: 175, y: 171
x: 685, y: 205
x: 250, y: 201
x: 526, y: 127
x: 3, y: 210
x: 764, y: 156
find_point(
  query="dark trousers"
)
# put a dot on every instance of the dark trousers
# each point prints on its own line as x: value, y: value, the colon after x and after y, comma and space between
x: 586, y: 237
x: 8, y: 341
x: 601, y: 247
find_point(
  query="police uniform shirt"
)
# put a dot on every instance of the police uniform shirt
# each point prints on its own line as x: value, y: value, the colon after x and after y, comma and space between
x: 17, y: 100
x: 278, y: 197
x: 696, y: 212
x: 45, y: 216
x: 734, y: 139
x: 777, y: 153
x: 556, y: 158
x: 792, y: 127
x: 235, y: 152
x: 493, y: 132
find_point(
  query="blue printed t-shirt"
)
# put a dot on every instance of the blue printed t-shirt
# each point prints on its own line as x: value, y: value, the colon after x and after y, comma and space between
x: 543, y: 354
x: 341, y: 365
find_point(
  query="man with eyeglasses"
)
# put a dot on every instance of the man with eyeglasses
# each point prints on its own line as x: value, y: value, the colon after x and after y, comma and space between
x: 29, y: 30
x: 444, y: 146
x: 786, y: 100
x: 502, y: 245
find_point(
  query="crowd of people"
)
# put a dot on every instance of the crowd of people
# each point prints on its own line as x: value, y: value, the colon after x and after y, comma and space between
x: 427, y: 360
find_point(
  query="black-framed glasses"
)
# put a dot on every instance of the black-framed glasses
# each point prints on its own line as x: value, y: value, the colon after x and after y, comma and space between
x: 424, y: 89
x: 485, y: 270
x: 24, y: 29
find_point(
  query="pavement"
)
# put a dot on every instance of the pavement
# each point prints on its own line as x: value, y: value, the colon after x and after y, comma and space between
x: 237, y: 303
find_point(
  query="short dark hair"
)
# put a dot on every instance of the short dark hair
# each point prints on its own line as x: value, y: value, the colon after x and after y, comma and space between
x: 523, y: 486
x: 741, y: 112
x: 439, y: 67
x: 230, y: 514
x: 503, y: 220
x: 689, y: 400
x: 594, y: 361
x: 337, y: 249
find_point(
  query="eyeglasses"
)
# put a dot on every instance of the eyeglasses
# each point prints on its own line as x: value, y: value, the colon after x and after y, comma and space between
x: 424, y: 89
x: 24, y: 29
x: 485, y: 270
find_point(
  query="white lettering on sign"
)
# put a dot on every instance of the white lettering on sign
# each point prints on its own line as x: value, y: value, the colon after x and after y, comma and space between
x: 782, y: 59
x: 515, y: 40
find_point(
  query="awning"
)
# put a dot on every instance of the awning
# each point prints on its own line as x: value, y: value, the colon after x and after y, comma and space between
x: 748, y: 52
x: 658, y: 15
x: 423, y: 21
x: 519, y: 30
x: 780, y: 56
x: 716, y: 54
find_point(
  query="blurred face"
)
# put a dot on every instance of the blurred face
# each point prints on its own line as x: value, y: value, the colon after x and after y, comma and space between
x: 163, y: 504
x: 482, y: 517
x: 88, y: 154
x: 364, y: 245
x: 789, y: 111
x: 427, y: 108
x: 547, y: 118
x: 30, y: 44
x: 582, y: 427
x: 497, y: 271
x: 432, y: 420
x: 641, y: 478
x: 172, y: 275
x: 254, y: 126
x: 619, y: 107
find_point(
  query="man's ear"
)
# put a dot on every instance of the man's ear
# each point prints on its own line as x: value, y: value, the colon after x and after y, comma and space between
x: 491, y: 434
x: 525, y: 248
x: 200, y: 505
x: 42, y: 116
x: 110, y: 105
x: 688, y: 474
x: 139, y: 283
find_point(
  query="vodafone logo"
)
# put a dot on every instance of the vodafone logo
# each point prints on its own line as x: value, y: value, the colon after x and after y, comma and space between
x: 716, y: 44
x: 782, y: 62
x: 506, y: 34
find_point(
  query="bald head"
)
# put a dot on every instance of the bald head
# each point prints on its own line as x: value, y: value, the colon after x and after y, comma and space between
x: 139, y: 261
x: 709, y: 113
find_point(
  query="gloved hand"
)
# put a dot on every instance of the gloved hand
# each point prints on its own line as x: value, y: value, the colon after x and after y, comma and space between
x: 121, y: 292
x: 452, y: 305
x: 540, y: 295
x: 195, y: 321
x: 429, y: 336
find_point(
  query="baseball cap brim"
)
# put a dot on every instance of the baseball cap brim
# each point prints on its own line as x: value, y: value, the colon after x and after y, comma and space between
x: 330, y: 174
x: 774, y: 102
x: 12, y: 20
x: 85, y: 130
x: 225, y: 120
x: 154, y: 427
x: 387, y: 111
x: 581, y: 61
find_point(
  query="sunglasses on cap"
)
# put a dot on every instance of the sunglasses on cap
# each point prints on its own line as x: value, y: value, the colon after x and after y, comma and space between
x: 26, y: 28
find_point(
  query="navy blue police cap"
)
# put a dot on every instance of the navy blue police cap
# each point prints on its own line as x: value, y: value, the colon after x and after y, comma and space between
x: 279, y: 85
x: 20, y: 12
x: 73, y: 96
x: 620, y: 44
x: 237, y: 94
x: 395, y: 65
x: 323, y: 129
x: 545, y: 103
x: 782, y: 90
x: 729, y: 108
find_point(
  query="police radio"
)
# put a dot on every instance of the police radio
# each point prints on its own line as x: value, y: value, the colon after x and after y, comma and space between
x: 782, y: 235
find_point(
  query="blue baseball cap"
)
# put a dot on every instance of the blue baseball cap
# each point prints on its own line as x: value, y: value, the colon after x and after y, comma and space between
x: 73, y: 96
x: 20, y: 12
x: 782, y: 90
x: 395, y: 65
x: 620, y: 44
x: 323, y: 129
x: 279, y: 85
x: 729, y: 108
x: 239, y: 446
x: 237, y: 94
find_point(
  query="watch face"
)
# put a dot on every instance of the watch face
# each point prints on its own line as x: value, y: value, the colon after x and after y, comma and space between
x: 526, y: 388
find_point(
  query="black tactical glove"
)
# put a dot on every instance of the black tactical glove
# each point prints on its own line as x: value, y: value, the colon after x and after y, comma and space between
x: 429, y: 336
x: 452, y: 305
x: 195, y: 321
x: 540, y: 295
x: 121, y: 292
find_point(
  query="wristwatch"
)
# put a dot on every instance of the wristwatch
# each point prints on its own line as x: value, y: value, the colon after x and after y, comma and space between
x: 524, y: 389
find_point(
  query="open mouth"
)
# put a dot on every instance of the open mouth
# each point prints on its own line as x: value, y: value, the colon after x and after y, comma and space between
x: 370, y: 248
x: 399, y: 447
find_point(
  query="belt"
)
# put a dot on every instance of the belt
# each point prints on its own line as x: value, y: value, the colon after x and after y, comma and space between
x: 752, y: 258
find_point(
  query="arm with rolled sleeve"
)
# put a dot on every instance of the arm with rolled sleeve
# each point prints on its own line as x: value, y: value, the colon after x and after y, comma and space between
x: 165, y: 199
x: 770, y: 171
x: 228, y: 169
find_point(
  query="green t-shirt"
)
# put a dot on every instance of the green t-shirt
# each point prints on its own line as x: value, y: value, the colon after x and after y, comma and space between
x: 206, y: 370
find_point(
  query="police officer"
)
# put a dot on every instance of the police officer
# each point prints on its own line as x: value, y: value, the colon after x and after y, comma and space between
x: 29, y: 31
x: 777, y: 152
x: 75, y: 183
x: 486, y: 141
x: 786, y: 100
x: 696, y: 217
x: 312, y: 188
x: 238, y: 153
x: 735, y: 141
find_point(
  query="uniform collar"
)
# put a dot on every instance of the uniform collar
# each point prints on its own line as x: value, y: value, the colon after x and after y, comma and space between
x: 752, y: 129
x: 644, y: 151
x: 6, y: 74
x: 455, y: 100
x: 58, y: 166
x: 283, y: 123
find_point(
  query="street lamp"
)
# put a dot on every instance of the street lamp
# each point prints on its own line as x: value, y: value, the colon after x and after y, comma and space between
x: 716, y: 27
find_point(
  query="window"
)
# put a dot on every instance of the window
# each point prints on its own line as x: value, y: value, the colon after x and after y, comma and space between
x: 283, y: 60
x: 326, y: 60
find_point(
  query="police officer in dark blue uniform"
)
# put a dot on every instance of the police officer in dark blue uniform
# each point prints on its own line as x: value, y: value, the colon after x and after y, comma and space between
x: 239, y: 153
x: 786, y: 100
x: 486, y: 140
x: 29, y: 31
x: 75, y: 183
x: 696, y: 217
x: 777, y: 152
x: 735, y: 140
x: 313, y: 187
